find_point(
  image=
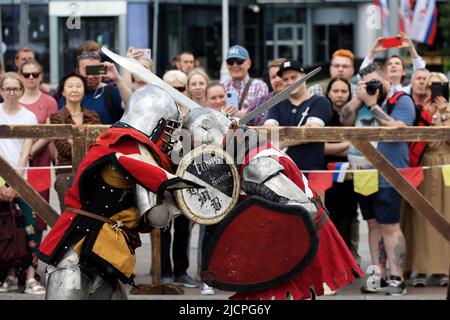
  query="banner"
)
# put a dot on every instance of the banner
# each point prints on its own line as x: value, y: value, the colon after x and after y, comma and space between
x: 365, y: 182
x: 405, y: 15
x: 338, y: 176
x: 446, y: 175
x: 424, y: 23
x: 39, y: 179
x: 414, y: 175
x: 320, y: 181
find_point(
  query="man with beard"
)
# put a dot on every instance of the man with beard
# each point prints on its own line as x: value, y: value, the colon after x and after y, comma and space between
x: 105, y: 99
x: 382, y: 208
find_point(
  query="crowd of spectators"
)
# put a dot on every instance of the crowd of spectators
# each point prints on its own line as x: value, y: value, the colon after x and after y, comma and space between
x: 402, y: 243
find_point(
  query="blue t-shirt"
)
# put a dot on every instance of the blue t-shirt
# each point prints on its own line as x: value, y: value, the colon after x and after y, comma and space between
x: 95, y: 100
x: 395, y: 152
x: 308, y: 156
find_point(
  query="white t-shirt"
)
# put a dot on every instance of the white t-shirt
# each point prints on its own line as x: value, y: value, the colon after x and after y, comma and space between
x: 11, y: 149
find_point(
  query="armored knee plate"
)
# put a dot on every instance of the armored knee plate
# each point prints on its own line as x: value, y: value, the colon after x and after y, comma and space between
x: 67, y: 283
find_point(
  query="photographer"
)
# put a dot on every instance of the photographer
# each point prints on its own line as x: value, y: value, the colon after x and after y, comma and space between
x: 104, y: 99
x: 382, y: 208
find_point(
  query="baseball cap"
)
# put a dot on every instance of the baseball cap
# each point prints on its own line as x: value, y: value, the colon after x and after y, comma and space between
x: 290, y: 65
x: 237, y: 52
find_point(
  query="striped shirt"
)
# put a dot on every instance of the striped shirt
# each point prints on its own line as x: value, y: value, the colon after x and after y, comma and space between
x: 258, y: 88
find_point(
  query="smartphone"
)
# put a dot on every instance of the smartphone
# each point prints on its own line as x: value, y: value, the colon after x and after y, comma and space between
x: 439, y: 89
x: 391, y: 42
x: 146, y: 53
x: 95, y: 70
x: 232, y: 99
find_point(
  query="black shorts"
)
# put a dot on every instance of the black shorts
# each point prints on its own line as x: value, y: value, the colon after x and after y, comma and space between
x: 383, y: 206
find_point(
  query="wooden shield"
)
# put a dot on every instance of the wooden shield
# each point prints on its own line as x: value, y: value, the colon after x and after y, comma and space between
x: 259, y: 245
x: 213, y: 168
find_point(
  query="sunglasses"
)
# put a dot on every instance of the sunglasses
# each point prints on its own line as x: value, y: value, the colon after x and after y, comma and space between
x: 89, y: 55
x: 14, y: 90
x: 181, y: 89
x: 230, y: 62
x: 28, y: 74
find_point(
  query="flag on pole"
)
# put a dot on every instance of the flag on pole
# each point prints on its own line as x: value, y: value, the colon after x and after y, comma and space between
x: 382, y: 4
x: 424, y: 23
x: 405, y: 15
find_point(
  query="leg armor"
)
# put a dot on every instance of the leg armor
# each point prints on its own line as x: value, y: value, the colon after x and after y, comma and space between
x: 66, y: 281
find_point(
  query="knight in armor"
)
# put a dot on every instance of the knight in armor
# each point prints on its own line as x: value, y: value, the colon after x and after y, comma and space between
x: 123, y: 186
x: 269, y: 174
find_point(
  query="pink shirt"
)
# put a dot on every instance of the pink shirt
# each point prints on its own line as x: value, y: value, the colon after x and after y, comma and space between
x: 42, y: 109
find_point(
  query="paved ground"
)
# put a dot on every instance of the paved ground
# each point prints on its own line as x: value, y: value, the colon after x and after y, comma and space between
x: 351, y: 292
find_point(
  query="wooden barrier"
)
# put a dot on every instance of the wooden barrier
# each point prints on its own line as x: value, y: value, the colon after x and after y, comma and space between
x: 84, y: 135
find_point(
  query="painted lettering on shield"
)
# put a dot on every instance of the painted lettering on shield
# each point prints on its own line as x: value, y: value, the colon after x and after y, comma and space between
x: 213, y: 172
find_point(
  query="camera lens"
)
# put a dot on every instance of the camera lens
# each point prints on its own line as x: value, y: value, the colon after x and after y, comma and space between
x: 372, y: 86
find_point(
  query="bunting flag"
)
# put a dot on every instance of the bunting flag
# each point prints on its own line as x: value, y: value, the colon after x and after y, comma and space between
x: 414, y: 175
x: 365, y: 182
x: 39, y: 179
x: 340, y: 170
x: 446, y: 175
x: 384, y: 11
x: 424, y: 22
x: 405, y: 15
x: 320, y: 181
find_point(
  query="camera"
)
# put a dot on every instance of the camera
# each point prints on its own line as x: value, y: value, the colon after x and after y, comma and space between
x: 372, y: 86
x: 95, y: 70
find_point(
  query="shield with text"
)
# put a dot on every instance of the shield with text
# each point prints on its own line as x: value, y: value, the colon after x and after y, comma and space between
x: 211, y: 167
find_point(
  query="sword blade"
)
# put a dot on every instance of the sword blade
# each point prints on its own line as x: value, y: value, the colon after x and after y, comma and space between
x: 146, y: 75
x: 277, y: 98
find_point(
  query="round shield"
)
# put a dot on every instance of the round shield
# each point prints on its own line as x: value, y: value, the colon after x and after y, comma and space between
x: 213, y: 168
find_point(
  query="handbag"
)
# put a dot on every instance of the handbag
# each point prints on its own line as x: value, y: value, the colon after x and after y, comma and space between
x: 13, y: 239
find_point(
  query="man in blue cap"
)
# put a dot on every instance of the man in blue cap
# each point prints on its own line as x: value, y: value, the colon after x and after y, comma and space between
x: 242, y: 89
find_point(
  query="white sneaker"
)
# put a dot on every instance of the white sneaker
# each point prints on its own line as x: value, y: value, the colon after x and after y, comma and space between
x: 206, y: 290
x: 11, y: 283
x: 327, y: 291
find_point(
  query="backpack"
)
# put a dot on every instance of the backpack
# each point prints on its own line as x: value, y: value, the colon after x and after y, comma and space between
x: 423, y: 119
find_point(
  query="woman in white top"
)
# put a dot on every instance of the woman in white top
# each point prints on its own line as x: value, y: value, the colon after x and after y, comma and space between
x: 16, y: 152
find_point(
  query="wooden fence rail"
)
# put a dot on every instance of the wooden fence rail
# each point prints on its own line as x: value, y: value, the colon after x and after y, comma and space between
x: 85, y: 135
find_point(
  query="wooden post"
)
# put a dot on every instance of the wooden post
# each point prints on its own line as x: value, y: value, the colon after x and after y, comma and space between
x: 155, y: 237
x: 156, y: 287
x: 41, y: 207
x: 403, y: 187
x: 78, y: 147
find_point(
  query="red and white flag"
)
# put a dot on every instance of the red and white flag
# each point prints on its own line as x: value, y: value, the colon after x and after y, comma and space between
x: 383, y: 7
x: 424, y: 23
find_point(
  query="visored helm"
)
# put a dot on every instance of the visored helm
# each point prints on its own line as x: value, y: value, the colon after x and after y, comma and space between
x: 206, y: 126
x: 153, y: 112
